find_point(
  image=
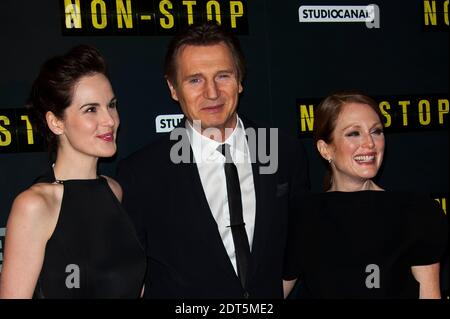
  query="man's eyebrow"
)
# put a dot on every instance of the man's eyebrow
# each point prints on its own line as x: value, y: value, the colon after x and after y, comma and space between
x: 192, y: 76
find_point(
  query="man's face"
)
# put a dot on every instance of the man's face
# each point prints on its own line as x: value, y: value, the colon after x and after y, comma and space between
x: 207, y: 85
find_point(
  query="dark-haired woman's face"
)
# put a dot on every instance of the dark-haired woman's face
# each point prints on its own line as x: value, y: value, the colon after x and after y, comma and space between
x: 91, y: 121
x: 358, y: 144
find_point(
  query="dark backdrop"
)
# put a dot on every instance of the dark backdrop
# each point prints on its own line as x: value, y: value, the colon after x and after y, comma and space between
x: 288, y: 63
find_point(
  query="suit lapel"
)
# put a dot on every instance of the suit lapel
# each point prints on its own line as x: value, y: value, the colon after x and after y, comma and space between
x: 263, y: 193
x: 201, y: 218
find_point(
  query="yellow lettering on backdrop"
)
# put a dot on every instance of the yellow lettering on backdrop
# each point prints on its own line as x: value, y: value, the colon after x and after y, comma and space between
x: 5, y: 135
x: 443, y: 108
x: 236, y: 11
x: 103, y: 14
x: 384, y: 105
x: 306, y: 117
x: 73, y: 14
x: 429, y: 11
x: 124, y: 14
x: 209, y: 14
x: 190, y: 11
x: 30, y: 138
x: 424, y: 115
x: 168, y: 22
x: 404, y: 105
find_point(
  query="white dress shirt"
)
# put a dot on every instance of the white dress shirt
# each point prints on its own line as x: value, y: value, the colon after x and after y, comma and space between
x: 210, y: 165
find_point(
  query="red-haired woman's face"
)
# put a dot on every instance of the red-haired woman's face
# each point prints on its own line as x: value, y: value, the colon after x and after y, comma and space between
x: 357, y: 148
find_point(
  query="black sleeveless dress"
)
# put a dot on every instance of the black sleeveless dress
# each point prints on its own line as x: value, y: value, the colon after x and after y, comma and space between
x: 94, y: 251
x: 363, y: 244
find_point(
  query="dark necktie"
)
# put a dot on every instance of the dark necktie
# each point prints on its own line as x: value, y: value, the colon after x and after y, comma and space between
x: 240, y: 239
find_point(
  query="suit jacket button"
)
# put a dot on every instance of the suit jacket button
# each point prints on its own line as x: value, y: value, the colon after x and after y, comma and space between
x: 246, y: 295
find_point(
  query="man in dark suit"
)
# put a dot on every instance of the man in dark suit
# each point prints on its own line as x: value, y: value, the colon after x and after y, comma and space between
x: 211, y: 201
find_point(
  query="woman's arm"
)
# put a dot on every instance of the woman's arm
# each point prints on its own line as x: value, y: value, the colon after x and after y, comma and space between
x: 428, y: 278
x: 27, y: 232
x: 288, y: 285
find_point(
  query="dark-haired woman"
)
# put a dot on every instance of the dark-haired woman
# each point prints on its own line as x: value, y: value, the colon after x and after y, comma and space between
x: 67, y: 235
x: 356, y: 240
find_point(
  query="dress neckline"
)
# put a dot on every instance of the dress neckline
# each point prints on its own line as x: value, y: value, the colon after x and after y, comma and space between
x: 59, y: 181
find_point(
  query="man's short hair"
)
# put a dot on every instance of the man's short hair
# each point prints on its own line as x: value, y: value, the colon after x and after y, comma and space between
x: 204, y: 34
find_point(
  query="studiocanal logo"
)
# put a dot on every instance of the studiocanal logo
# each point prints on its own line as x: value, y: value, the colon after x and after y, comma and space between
x: 167, y: 122
x: 368, y: 14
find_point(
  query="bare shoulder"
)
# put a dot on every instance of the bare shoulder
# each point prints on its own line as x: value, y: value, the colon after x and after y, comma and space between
x: 115, y: 187
x: 35, y: 200
x: 30, y: 225
x: 37, y: 207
